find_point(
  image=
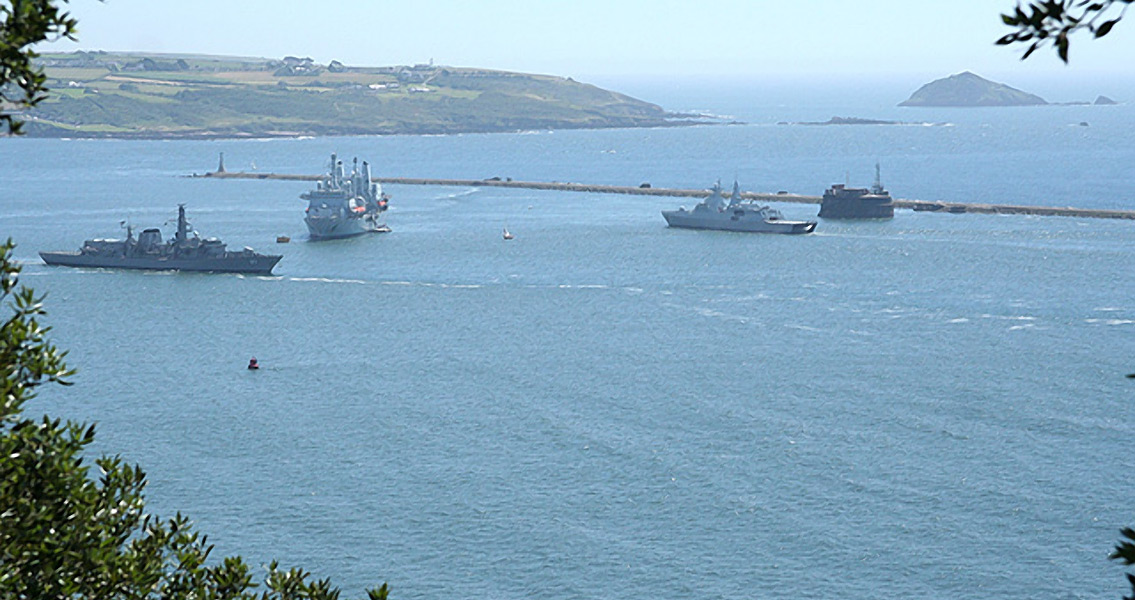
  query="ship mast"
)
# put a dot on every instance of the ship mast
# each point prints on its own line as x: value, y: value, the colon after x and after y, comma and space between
x: 878, y: 187
x: 182, y: 225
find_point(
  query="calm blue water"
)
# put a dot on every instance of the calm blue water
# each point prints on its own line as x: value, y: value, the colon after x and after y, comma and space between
x: 931, y: 407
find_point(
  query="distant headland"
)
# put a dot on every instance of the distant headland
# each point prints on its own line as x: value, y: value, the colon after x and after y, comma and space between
x: 967, y: 89
x: 153, y: 96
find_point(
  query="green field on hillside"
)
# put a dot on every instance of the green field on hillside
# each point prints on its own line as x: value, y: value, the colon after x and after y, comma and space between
x: 99, y: 94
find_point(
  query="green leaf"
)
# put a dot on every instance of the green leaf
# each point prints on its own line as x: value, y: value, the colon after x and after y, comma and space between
x: 1105, y: 28
x: 1062, y: 46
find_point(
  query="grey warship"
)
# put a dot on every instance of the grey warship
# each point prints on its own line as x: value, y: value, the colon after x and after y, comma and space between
x: 185, y: 252
x: 842, y: 202
x: 343, y: 206
x: 734, y: 214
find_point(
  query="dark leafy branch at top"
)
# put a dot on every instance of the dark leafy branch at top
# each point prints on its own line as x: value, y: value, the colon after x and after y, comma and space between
x: 1053, y: 22
x: 24, y: 23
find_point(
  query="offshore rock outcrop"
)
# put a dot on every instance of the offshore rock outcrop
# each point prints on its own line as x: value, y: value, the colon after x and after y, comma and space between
x: 967, y: 89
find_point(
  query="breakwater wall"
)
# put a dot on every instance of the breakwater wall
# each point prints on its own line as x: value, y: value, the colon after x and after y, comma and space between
x: 918, y: 205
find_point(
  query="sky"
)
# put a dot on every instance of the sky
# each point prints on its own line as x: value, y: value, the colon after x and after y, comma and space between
x: 606, y: 39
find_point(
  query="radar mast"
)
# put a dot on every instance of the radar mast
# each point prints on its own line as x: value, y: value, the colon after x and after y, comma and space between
x: 878, y: 187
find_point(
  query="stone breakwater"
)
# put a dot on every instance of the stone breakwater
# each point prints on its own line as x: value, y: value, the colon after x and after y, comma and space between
x: 918, y: 205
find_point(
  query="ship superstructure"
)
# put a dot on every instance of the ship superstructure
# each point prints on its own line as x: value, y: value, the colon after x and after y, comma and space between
x: 186, y: 251
x: 842, y: 202
x: 734, y: 214
x: 344, y: 205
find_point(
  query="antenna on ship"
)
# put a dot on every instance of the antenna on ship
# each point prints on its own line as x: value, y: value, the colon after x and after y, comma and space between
x: 878, y: 187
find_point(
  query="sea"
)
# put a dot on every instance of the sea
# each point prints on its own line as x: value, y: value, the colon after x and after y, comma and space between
x: 934, y: 406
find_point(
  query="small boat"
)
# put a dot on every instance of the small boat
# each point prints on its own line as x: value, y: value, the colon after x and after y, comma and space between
x: 283, y: 239
x: 506, y: 235
x: 253, y: 365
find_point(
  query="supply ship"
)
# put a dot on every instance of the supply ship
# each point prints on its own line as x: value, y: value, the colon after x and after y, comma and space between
x: 343, y: 206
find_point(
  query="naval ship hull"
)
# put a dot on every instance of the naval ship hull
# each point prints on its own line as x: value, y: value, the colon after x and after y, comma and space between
x: 860, y: 207
x: 332, y: 228
x: 691, y: 220
x: 258, y: 265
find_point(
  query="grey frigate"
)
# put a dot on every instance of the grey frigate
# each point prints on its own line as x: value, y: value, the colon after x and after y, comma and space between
x: 842, y: 202
x: 734, y: 214
x: 344, y: 206
x: 186, y: 251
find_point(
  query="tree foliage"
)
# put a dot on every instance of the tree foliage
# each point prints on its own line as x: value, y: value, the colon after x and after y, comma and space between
x: 66, y: 534
x: 24, y: 23
x: 1043, y: 22
x: 1125, y: 552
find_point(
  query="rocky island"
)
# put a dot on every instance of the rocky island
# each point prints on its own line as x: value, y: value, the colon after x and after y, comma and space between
x: 967, y: 89
x: 856, y: 121
x: 117, y: 95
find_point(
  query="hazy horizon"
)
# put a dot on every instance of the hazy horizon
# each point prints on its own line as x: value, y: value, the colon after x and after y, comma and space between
x: 590, y: 40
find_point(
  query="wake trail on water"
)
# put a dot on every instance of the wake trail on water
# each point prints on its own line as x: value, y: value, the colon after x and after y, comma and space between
x: 462, y: 194
x: 1110, y: 321
x: 348, y: 281
x: 457, y: 286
